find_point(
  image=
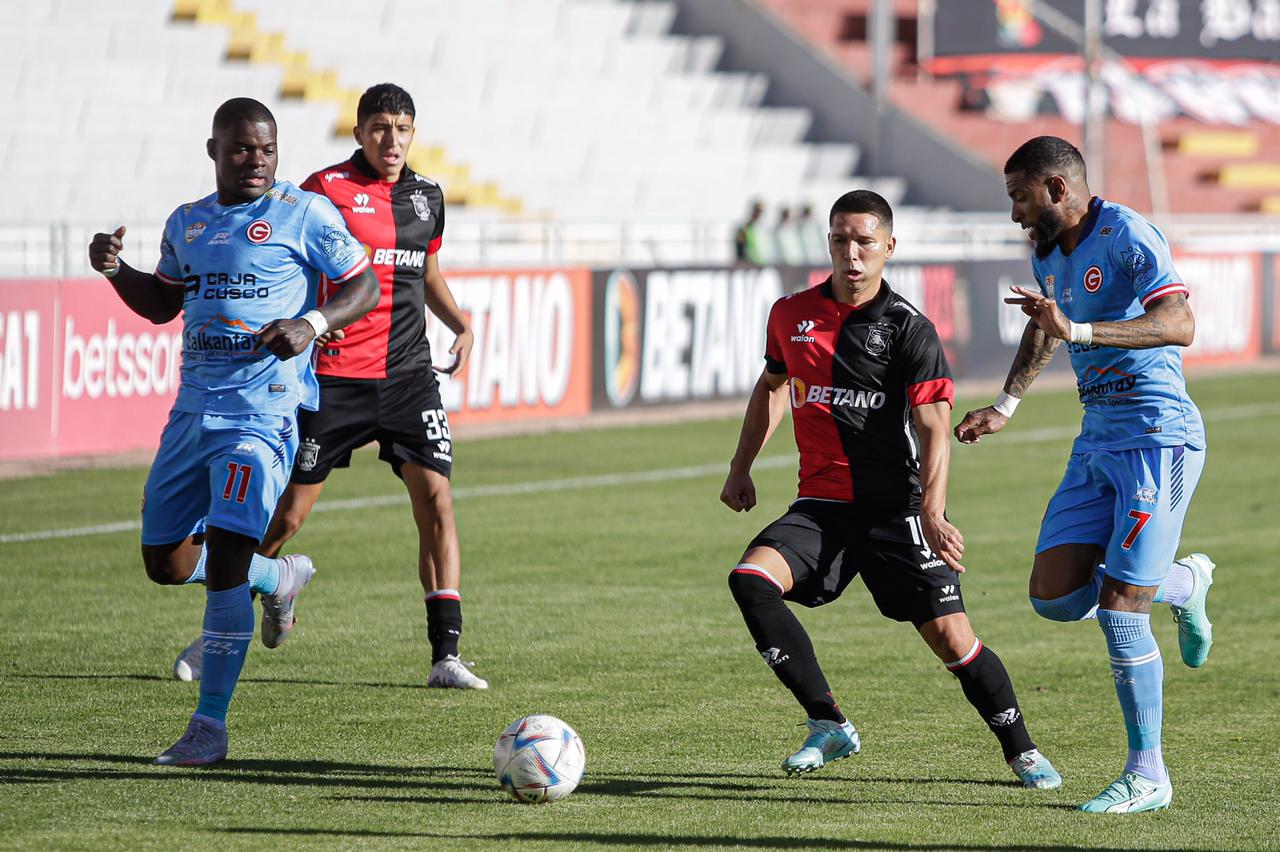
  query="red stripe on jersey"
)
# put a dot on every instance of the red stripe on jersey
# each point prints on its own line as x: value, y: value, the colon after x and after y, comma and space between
x: 165, y: 278
x: 967, y: 658
x: 434, y: 245
x: 1166, y: 290
x: 361, y: 265
x: 937, y: 390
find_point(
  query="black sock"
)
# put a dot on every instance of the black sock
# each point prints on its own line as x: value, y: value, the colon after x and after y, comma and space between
x: 987, y: 686
x: 444, y: 624
x: 782, y: 642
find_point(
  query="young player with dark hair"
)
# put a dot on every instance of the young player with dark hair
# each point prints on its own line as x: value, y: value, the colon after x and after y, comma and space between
x: 870, y: 394
x: 377, y: 382
x: 1108, y: 287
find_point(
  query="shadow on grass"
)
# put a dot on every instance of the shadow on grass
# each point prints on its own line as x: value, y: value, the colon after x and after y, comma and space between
x: 153, y: 677
x: 471, y: 784
x: 666, y: 841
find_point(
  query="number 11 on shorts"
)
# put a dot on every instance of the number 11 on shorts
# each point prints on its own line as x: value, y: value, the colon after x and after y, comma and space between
x: 1140, y: 521
x: 243, y: 472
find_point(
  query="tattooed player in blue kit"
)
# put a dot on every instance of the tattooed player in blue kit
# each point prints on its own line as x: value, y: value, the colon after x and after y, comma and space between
x: 1108, y: 287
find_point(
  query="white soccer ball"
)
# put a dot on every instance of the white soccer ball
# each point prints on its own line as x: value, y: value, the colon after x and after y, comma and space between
x: 539, y: 759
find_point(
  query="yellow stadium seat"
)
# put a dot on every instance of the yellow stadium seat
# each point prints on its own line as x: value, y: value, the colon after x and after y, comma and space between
x: 1218, y: 143
x: 1250, y: 176
x: 1270, y: 204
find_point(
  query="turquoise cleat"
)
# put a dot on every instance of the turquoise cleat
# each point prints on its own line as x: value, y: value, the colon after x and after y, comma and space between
x: 1035, y: 771
x: 1131, y: 794
x: 827, y: 742
x: 1195, y: 631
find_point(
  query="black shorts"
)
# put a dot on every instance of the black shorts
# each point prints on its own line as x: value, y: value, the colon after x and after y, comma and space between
x: 826, y: 544
x: 403, y: 414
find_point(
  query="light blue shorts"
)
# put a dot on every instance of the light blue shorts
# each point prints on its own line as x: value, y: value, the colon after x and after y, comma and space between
x: 224, y: 471
x: 1131, y: 502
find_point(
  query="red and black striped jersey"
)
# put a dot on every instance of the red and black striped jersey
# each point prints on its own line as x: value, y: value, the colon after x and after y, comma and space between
x: 400, y: 224
x: 854, y: 375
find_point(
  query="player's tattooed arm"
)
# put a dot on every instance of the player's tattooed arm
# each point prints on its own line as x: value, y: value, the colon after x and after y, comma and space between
x: 1168, y: 321
x: 1035, y: 351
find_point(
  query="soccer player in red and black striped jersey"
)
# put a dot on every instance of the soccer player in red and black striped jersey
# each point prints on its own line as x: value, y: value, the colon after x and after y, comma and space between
x: 377, y: 380
x: 870, y: 394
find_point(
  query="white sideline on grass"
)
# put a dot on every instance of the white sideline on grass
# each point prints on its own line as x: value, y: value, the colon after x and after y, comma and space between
x: 605, y: 480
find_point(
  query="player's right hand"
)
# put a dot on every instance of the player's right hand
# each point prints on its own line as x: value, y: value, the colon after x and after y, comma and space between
x: 739, y: 492
x: 104, y: 250
x: 979, y: 422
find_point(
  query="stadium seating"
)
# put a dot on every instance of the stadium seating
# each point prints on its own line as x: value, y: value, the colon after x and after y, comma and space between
x: 572, y: 110
x: 1215, y: 170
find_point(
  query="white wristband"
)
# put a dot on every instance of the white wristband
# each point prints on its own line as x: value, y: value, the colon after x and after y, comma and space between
x: 1006, y: 404
x: 316, y: 320
x: 1081, y: 332
x: 113, y: 271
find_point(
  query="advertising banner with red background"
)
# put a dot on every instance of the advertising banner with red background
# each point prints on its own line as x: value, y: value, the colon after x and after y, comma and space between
x: 79, y: 373
x: 532, y: 353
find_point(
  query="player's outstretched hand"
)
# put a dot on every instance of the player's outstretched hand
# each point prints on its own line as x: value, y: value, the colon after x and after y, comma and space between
x: 104, y: 249
x: 739, y: 492
x: 285, y: 338
x: 1043, y: 311
x: 979, y: 422
x: 944, y: 540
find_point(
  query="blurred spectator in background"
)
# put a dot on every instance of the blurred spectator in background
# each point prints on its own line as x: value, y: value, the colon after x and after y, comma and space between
x: 750, y: 241
x: 813, y: 235
x: 791, y: 250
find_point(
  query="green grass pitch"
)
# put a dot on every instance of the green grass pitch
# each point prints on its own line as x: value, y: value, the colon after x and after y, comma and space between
x: 602, y: 600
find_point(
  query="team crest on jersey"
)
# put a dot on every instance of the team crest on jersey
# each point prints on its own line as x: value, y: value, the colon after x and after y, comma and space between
x: 259, y: 231
x: 1135, y: 260
x: 308, y: 453
x: 1093, y: 279
x: 421, y: 206
x: 194, y: 230
x: 877, y: 339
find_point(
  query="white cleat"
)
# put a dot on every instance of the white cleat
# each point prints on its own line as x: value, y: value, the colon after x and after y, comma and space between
x: 189, y: 663
x: 296, y: 571
x: 452, y: 673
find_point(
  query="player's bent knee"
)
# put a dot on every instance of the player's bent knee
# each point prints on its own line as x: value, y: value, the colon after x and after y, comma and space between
x: 1075, y: 606
x: 166, y: 569
x: 750, y: 582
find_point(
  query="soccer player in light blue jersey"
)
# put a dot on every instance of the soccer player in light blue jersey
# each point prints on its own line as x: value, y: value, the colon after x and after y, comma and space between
x: 242, y: 266
x: 1107, y: 286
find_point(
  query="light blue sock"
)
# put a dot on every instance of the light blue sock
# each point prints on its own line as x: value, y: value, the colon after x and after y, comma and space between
x: 197, y: 575
x: 1079, y: 605
x: 1138, y: 671
x: 1177, y: 585
x: 264, y: 572
x: 228, y: 628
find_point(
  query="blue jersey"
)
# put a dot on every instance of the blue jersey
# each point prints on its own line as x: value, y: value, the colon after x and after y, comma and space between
x: 1132, y: 397
x: 241, y: 267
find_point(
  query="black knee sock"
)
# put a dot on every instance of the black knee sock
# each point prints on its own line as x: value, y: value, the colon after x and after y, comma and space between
x: 782, y: 642
x: 444, y: 624
x: 987, y: 686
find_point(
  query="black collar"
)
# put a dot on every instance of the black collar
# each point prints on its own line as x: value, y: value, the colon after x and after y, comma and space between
x: 873, y: 310
x: 361, y: 164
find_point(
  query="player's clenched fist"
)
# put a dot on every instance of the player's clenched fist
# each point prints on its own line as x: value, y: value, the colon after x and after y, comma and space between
x: 981, y: 421
x: 739, y: 492
x: 285, y: 338
x: 104, y: 252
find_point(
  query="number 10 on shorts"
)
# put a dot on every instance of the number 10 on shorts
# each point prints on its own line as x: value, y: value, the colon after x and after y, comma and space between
x: 241, y: 472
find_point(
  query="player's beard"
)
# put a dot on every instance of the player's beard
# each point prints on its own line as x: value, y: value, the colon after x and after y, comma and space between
x: 1047, y: 227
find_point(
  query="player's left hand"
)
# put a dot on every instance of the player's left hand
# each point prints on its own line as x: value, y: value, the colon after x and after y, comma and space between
x: 1043, y: 311
x: 944, y: 540
x: 285, y: 338
x: 461, y: 351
